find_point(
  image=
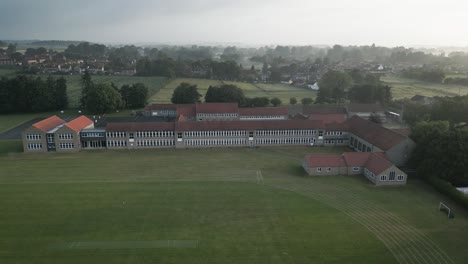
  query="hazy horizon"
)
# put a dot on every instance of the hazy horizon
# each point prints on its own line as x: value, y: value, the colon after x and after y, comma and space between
x: 183, y: 22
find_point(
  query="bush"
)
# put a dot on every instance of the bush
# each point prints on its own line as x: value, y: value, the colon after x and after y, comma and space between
x: 448, y: 190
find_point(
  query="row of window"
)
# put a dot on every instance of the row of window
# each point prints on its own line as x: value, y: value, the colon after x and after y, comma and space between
x: 65, y: 136
x: 354, y: 142
x: 34, y: 146
x: 319, y: 169
x: 334, y: 133
x: 285, y: 132
x: 392, y: 177
x: 165, y: 112
x: 263, y: 117
x: 92, y: 134
x: 116, y: 134
x: 145, y: 134
x: 33, y: 136
x: 116, y: 143
x: 218, y: 115
x: 229, y: 133
x: 283, y: 141
x: 215, y: 142
x: 154, y: 143
x: 334, y: 141
x: 67, y: 145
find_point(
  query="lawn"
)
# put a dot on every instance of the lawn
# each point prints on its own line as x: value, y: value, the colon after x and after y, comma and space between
x: 213, y: 206
x: 407, y: 88
x: 12, y: 120
x: 282, y: 91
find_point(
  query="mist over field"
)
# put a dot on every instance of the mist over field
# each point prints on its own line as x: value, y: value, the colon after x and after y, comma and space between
x: 295, y: 22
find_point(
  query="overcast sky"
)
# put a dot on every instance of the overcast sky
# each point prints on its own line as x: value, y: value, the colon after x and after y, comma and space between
x: 295, y: 22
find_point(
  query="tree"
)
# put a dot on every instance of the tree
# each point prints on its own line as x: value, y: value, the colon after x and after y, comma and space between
x: 86, y: 86
x: 333, y: 87
x: 102, y: 98
x: 134, y: 96
x: 61, y: 93
x: 292, y: 101
x: 275, y: 101
x: 307, y: 101
x: 256, y: 102
x: 225, y: 94
x: 186, y: 93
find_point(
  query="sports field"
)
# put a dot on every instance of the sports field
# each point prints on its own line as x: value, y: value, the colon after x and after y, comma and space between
x: 282, y: 91
x: 407, y: 88
x: 213, y: 206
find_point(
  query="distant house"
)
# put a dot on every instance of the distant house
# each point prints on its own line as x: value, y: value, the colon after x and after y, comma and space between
x: 313, y: 87
x: 375, y: 166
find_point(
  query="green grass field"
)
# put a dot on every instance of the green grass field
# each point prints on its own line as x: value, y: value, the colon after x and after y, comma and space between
x: 282, y: 91
x: 407, y: 88
x: 213, y: 206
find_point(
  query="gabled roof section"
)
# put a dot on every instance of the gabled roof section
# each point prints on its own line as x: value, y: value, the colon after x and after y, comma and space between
x: 79, y: 123
x: 49, y: 123
x: 367, y: 108
x: 356, y: 159
x: 375, y: 134
x: 213, y: 108
x: 263, y: 111
x: 377, y: 163
x: 186, y: 109
x: 325, y: 160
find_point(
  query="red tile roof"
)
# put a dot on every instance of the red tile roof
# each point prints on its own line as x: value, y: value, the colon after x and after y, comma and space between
x: 356, y: 159
x: 79, y: 123
x: 325, y: 160
x: 186, y: 109
x: 248, y: 125
x: 264, y: 111
x: 149, y: 126
x: 328, y: 118
x: 49, y: 123
x: 375, y: 134
x: 377, y: 163
x: 403, y: 131
x: 217, y: 108
x: 336, y: 126
x: 324, y: 109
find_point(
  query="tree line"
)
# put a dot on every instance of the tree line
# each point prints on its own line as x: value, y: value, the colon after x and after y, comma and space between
x: 428, y: 75
x: 355, y: 86
x: 24, y: 94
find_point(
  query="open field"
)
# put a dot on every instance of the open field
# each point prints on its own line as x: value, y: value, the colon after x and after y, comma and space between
x: 284, y: 92
x: 213, y: 206
x: 407, y: 88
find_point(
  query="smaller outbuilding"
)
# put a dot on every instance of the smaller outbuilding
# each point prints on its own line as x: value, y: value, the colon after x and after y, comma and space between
x: 375, y: 166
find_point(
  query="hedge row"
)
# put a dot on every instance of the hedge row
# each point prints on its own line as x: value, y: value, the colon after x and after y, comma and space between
x: 447, y: 189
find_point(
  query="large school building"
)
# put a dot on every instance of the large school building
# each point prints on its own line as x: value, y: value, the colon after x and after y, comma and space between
x: 208, y: 125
